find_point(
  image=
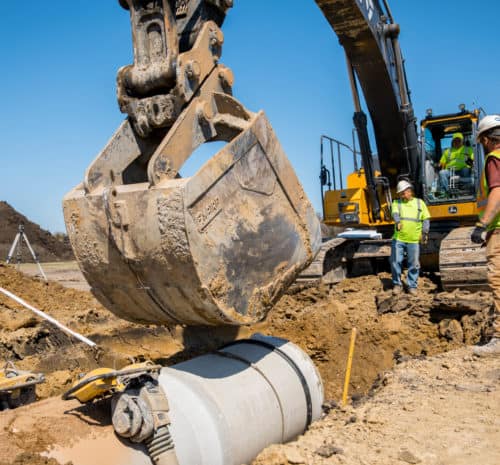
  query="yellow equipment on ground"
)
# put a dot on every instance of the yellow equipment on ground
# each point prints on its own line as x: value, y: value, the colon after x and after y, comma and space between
x: 17, y: 387
x: 104, y: 381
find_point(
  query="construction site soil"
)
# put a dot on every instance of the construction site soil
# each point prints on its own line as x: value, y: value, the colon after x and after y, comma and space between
x: 379, y: 426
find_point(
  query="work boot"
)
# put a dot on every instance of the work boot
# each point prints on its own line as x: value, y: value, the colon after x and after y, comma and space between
x: 396, y: 290
x: 492, y: 349
x: 412, y: 291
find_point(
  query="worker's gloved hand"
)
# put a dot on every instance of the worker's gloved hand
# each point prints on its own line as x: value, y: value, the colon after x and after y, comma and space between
x: 399, y: 226
x: 425, y: 238
x: 478, y: 235
x: 469, y: 162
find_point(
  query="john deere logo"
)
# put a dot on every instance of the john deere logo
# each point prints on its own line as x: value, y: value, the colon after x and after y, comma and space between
x: 452, y: 209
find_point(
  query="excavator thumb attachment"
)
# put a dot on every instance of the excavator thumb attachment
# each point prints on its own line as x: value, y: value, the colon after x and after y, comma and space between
x: 217, y: 248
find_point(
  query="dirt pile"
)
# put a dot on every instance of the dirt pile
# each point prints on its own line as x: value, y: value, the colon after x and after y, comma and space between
x: 36, y: 345
x: 46, y: 246
x: 317, y: 318
x: 320, y: 320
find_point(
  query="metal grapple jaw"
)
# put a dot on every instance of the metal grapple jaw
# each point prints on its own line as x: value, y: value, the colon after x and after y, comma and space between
x: 173, y: 53
x: 217, y: 248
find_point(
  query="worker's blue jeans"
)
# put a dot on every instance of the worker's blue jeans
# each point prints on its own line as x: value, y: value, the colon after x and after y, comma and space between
x: 398, y: 251
x: 444, y: 177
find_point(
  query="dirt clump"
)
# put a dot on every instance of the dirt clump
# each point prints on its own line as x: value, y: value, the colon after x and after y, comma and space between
x: 47, y: 247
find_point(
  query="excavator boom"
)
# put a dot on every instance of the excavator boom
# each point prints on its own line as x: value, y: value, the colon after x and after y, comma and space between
x: 369, y: 37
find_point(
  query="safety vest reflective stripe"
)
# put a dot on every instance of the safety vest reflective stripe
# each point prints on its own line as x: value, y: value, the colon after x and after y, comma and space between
x: 415, y: 220
x: 419, y: 212
x: 484, y: 191
x: 457, y: 158
x: 457, y: 154
x: 482, y: 203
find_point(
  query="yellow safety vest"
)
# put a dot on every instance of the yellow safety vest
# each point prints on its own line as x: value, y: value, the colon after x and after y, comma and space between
x: 457, y: 158
x: 411, y: 216
x: 484, y: 191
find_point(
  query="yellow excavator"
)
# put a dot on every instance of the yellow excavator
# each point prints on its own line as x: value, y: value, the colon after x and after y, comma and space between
x: 369, y: 36
x: 222, y: 246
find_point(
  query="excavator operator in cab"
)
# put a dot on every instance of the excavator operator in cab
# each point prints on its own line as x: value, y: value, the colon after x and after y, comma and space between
x: 411, y: 218
x: 457, y: 158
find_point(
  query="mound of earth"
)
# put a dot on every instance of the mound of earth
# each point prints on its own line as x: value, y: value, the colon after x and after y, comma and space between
x: 440, y: 410
x: 47, y: 247
x: 316, y: 318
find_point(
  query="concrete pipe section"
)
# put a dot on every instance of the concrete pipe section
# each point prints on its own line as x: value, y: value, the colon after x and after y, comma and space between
x: 223, y: 409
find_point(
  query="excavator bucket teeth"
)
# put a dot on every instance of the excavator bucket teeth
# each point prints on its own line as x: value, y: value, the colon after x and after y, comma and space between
x: 217, y: 248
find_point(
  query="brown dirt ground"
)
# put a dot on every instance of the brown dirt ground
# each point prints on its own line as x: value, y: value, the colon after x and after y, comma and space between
x: 440, y: 410
x: 318, y: 319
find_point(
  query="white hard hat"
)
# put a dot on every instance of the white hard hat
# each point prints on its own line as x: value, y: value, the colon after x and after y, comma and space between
x: 487, y: 123
x: 402, y: 186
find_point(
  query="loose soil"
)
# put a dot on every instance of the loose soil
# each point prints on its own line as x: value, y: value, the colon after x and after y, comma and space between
x: 440, y: 410
x: 413, y: 332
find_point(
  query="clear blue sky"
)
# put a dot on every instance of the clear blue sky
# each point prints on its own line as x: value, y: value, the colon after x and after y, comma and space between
x: 60, y: 58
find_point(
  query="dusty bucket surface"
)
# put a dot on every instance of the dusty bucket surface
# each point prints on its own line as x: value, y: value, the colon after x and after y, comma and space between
x: 217, y: 248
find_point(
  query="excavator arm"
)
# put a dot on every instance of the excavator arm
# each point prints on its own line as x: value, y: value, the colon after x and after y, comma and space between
x: 219, y: 247
x: 369, y: 36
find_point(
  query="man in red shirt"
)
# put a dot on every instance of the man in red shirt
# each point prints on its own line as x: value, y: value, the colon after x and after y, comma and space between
x: 488, y: 227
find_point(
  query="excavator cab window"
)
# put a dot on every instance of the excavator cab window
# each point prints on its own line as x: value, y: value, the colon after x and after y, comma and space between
x: 450, y: 158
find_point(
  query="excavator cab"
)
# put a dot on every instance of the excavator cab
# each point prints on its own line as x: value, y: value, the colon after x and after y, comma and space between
x: 451, y: 159
x: 450, y: 191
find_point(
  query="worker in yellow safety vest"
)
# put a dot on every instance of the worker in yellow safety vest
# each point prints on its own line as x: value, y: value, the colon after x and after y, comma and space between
x: 411, y: 218
x: 458, y: 159
x: 487, y: 229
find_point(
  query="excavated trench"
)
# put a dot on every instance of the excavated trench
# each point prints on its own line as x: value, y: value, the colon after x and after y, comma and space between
x: 316, y: 318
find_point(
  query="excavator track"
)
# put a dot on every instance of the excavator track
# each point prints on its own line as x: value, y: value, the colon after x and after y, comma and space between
x: 339, y: 258
x: 328, y: 265
x: 462, y: 264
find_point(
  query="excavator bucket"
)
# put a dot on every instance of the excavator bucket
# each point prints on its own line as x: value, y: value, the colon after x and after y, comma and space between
x: 217, y: 248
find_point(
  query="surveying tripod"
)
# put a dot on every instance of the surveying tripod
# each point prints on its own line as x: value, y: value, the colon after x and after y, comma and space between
x: 17, y: 247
